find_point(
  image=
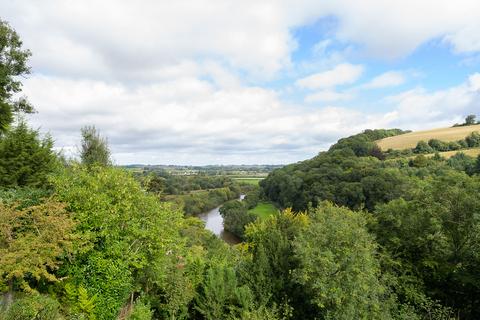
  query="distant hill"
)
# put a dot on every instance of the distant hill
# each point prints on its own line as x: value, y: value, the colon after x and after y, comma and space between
x: 410, y: 140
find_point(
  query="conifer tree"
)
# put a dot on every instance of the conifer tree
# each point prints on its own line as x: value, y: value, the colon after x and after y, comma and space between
x: 25, y: 158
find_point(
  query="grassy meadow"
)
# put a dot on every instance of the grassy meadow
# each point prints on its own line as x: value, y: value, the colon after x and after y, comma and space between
x: 410, y: 140
x: 250, y: 180
x: 264, y: 209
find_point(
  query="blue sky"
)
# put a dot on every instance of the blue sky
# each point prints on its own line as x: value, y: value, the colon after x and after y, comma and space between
x: 231, y: 82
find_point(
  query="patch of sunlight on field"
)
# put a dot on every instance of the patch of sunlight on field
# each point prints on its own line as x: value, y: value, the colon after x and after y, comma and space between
x: 410, y: 140
x: 264, y: 209
x: 252, y: 181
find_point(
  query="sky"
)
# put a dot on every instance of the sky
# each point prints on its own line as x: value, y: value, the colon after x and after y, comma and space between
x: 244, y: 82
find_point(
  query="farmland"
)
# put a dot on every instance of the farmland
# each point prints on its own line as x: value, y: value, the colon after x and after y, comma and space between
x: 249, y: 180
x: 410, y: 140
x: 448, y: 154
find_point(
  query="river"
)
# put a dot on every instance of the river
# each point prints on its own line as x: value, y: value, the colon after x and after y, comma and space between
x: 214, y: 222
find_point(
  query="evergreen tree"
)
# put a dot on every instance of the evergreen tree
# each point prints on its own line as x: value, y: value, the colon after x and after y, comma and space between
x: 25, y: 158
x: 94, y: 149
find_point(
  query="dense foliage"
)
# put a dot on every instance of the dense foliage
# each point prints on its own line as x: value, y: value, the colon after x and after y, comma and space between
x: 237, y: 214
x: 435, y: 145
x: 339, y: 175
x: 424, y: 214
x: 25, y: 158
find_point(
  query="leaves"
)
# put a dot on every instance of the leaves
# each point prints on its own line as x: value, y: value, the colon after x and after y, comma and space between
x: 32, y: 240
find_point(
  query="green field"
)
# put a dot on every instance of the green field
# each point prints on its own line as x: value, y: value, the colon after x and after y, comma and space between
x: 264, y: 209
x: 252, y: 181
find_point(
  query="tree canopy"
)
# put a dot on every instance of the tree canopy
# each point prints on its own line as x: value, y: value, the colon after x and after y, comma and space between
x: 13, y: 64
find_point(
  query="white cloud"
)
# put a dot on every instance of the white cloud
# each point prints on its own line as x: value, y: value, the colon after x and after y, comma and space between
x: 166, y: 80
x: 162, y: 121
x: 344, y: 73
x: 187, y: 120
x: 327, y: 96
x: 387, y: 79
x: 125, y: 39
x: 421, y: 109
x: 401, y: 26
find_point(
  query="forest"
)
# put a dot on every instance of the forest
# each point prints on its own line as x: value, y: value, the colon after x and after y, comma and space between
x: 360, y: 234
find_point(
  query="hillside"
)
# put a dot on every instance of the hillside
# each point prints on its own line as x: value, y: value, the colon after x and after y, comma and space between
x: 419, y: 209
x: 410, y: 140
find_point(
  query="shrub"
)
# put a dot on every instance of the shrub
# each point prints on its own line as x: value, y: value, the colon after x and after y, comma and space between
x: 473, y: 140
x: 25, y: 158
x: 141, y: 311
x: 438, y: 145
x: 423, y: 147
x: 35, y: 306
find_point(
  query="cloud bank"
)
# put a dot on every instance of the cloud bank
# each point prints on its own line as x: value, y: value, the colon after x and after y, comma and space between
x: 190, y: 82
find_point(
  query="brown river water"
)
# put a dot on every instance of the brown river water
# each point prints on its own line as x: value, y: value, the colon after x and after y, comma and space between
x: 214, y: 222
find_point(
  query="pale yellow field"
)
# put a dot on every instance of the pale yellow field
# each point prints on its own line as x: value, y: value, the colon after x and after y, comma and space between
x: 410, y: 140
x: 469, y: 152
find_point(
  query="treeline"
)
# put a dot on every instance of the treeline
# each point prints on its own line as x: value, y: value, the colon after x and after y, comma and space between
x: 203, y: 201
x: 423, y: 214
x: 435, y: 145
x: 165, y: 183
x: 470, y: 120
x: 193, y: 194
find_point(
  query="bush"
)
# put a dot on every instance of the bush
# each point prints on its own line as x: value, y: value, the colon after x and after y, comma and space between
x: 141, y: 311
x: 454, y: 145
x: 473, y: 140
x: 236, y: 217
x: 25, y: 159
x: 129, y: 233
x: 36, y: 306
x: 438, y: 145
x: 423, y: 147
x: 419, y: 161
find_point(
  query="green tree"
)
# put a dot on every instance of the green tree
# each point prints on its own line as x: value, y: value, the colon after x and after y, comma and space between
x: 434, y: 238
x: 132, y: 238
x: 13, y: 65
x: 94, y: 148
x: 236, y: 217
x: 419, y: 161
x: 25, y: 158
x: 33, y: 306
x: 438, y: 145
x: 423, y: 147
x: 31, y: 242
x: 268, y: 270
x: 477, y: 165
x: 338, y: 265
x: 470, y: 120
x: 221, y: 296
x: 473, y: 140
